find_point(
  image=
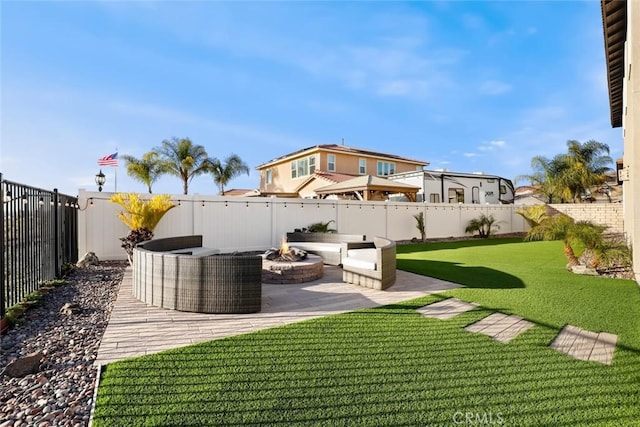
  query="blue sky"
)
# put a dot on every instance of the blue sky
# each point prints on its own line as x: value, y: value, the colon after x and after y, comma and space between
x: 468, y: 86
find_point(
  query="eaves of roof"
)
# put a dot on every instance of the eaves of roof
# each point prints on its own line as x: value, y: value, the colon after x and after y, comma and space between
x: 340, y: 149
x: 614, y: 23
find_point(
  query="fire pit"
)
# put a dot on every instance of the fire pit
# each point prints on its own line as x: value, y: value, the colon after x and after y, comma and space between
x: 290, y: 265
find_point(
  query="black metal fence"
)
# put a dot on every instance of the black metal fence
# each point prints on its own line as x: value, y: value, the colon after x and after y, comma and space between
x: 39, y: 235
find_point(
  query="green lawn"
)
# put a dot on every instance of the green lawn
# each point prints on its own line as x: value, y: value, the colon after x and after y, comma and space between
x: 530, y: 279
x: 391, y: 366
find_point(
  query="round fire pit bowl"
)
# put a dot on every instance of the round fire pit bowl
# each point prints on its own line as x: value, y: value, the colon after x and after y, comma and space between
x: 288, y: 272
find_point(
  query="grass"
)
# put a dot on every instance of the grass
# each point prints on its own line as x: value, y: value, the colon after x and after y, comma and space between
x: 530, y: 279
x: 392, y: 366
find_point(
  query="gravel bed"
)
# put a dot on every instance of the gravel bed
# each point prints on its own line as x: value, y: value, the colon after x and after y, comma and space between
x: 61, y: 392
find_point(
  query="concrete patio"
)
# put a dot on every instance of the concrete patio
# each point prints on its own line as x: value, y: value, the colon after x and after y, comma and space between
x: 137, y: 329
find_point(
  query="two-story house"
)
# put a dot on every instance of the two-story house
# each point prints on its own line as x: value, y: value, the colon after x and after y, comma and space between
x: 299, y: 173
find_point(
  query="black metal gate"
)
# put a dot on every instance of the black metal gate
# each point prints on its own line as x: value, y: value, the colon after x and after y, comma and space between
x: 39, y: 235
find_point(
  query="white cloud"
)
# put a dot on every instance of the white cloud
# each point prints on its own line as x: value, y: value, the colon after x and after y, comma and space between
x: 469, y: 155
x: 492, y: 145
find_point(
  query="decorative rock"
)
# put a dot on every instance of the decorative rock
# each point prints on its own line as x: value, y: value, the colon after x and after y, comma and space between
x: 90, y: 258
x: 24, y: 366
x: 583, y: 269
x: 23, y: 400
x: 70, y: 308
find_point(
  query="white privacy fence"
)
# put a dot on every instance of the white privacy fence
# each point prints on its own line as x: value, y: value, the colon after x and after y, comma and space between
x: 256, y: 223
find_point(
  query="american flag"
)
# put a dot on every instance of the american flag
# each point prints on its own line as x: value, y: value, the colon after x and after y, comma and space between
x: 110, y: 160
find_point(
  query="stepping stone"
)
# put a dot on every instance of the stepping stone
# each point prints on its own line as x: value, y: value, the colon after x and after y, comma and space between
x: 446, y: 309
x: 585, y: 345
x: 501, y: 327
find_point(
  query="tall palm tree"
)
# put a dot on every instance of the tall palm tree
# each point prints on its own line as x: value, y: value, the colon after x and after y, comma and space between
x: 548, y: 177
x: 225, y: 172
x: 183, y: 159
x: 567, y: 176
x: 146, y: 170
x: 589, y: 162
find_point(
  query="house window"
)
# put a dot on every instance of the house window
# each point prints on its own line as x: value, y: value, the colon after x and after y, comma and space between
x: 386, y: 168
x: 362, y: 166
x: 303, y: 167
x: 331, y: 162
x: 434, y: 198
x: 268, y: 178
x: 456, y: 195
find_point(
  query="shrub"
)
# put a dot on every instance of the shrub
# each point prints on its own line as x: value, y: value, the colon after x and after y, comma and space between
x: 482, y: 225
x: 140, y: 213
x: 67, y: 268
x: 141, y: 217
x: 133, y: 238
x: 534, y: 214
x: 420, y: 225
x: 321, y: 227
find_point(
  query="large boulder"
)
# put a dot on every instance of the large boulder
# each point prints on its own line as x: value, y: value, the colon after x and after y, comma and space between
x: 90, y: 258
x: 24, y: 366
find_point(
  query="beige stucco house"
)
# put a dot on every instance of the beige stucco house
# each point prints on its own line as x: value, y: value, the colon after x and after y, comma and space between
x: 621, y: 22
x: 298, y: 174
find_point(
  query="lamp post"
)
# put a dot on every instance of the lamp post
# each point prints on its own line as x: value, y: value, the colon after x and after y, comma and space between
x: 100, y: 180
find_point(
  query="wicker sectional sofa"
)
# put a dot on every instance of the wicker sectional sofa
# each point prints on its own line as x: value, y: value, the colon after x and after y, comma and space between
x: 178, y: 273
x: 326, y: 245
x: 369, y: 264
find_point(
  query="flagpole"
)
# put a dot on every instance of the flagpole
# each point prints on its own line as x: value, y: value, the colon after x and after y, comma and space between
x: 116, y: 174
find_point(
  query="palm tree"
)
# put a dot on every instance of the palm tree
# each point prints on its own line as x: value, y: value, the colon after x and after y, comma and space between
x: 224, y: 172
x: 183, y: 159
x: 146, y: 170
x: 548, y: 177
x: 568, y: 176
x: 533, y: 214
x: 588, y: 165
x: 562, y: 227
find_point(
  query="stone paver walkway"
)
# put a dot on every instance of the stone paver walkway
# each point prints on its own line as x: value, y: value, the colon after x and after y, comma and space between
x: 137, y: 329
x: 576, y: 342
x: 501, y: 327
x: 446, y: 309
x: 586, y: 345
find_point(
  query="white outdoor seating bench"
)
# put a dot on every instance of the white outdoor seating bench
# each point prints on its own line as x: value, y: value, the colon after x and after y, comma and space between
x: 326, y: 245
x: 369, y: 264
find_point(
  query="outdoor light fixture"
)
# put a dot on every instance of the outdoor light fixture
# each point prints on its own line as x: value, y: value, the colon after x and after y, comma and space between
x: 24, y: 199
x: 40, y: 201
x: 100, y: 180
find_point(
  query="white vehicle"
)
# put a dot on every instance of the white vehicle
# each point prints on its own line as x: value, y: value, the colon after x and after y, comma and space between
x: 455, y: 187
